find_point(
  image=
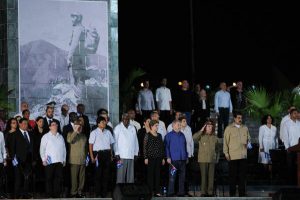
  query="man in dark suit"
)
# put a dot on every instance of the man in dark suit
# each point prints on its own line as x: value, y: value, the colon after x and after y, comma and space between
x: 69, y: 128
x: 22, y: 155
x: 80, y: 113
x: 49, y: 118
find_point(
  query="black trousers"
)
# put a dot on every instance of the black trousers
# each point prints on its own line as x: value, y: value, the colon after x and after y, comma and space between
x: 292, y: 167
x: 54, y: 174
x: 165, y: 116
x: 103, y: 172
x: 1, y: 178
x: 223, y: 120
x: 146, y: 114
x: 22, y: 178
x: 237, y: 176
x: 153, y: 174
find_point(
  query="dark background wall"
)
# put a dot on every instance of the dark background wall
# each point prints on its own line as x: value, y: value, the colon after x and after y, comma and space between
x: 259, y: 41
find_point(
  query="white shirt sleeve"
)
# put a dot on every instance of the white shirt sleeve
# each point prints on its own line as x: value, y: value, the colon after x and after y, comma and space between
x: 3, y: 149
x: 136, y: 148
x: 216, y: 102
x: 43, y: 148
x: 92, y: 138
x: 260, y: 137
x: 116, y: 136
x: 64, y: 150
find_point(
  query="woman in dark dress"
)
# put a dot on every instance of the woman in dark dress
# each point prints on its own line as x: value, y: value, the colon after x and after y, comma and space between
x: 154, y: 156
x: 11, y: 128
x: 39, y: 173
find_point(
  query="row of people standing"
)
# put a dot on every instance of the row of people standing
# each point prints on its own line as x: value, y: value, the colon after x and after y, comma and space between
x: 195, y: 105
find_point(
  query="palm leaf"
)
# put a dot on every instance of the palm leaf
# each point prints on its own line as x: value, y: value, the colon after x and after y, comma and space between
x: 258, y: 98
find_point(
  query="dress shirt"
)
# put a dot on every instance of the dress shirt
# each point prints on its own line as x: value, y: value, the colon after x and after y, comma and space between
x: 162, y: 129
x: 64, y: 120
x: 135, y: 124
x: 291, y: 133
x: 175, y: 145
x: 187, y: 131
x: 53, y: 146
x: 101, y: 140
x: 25, y: 133
x: 267, y: 138
x: 126, y: 142
x: 3, y: 153
x: 203, y: 104
x: 170, y: 128
x: 284, y: 119
x: 222, y: 99
x: 145, y: 100
x: 163, y: 98
x: 2, y: 125
x: 48, y: 120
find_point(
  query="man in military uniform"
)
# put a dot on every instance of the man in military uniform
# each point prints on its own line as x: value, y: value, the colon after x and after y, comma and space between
x: 76, y: 54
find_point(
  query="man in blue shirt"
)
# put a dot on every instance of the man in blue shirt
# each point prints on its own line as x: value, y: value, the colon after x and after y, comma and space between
x: 177, y: 155
x: 223, y: 107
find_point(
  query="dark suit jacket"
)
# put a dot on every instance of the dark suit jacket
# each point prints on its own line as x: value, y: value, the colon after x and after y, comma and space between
x: 46, y: 125
x: 87, y: 126
x: 21, y: 148
x: 66, y: 129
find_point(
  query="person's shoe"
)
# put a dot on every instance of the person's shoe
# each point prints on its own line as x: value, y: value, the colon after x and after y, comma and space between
x: 204, y: 195
x: 158, y: 195
x: 80, y: 196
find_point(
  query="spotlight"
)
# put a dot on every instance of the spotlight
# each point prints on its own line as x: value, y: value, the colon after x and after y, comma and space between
x: 207, y: 87
x: 142, y: 84
x: 179, y: 83
x: 253, y: 87
x: 234, y: 84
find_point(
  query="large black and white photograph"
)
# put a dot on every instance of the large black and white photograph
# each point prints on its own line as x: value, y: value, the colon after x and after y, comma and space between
x: 63, y: 54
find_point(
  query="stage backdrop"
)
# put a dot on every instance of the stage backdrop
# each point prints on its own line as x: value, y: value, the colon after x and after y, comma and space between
x: 64, y: 54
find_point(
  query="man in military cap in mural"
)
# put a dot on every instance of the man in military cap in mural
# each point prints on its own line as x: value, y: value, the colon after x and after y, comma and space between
x: 76, y: 54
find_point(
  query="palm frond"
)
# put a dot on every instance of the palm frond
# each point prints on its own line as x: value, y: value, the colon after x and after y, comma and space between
x: 258, y: 98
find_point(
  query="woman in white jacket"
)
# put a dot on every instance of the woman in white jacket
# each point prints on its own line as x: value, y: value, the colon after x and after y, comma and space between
x: 267, y: 140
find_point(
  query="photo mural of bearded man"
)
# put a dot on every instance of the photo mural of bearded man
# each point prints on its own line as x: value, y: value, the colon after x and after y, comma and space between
x: 66, y: 60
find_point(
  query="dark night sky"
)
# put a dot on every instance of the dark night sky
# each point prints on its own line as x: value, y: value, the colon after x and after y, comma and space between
x: 258, y: 41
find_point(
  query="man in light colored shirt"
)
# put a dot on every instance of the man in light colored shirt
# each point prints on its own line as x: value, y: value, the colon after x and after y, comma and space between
x: 126, y: 150
x: 187, y: 131
x: 177, y: 116
x: 146, y: 100
x: 291, y: 129
x: 161, y: 125
x: 100, y: 148
x: 164, y: 102
x: 223, y: 107
x: 53, y: 155
x: 236, y: 139
x: 64, y: 118
x: 284, y: 119
x: 131, y: 114
x: 291, y: 134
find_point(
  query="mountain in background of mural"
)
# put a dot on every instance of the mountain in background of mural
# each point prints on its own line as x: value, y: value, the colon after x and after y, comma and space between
x: 45, y: 77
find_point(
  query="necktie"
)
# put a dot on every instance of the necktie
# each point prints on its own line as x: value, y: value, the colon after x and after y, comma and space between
x: 49, y: 121
x: 26, y: 137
